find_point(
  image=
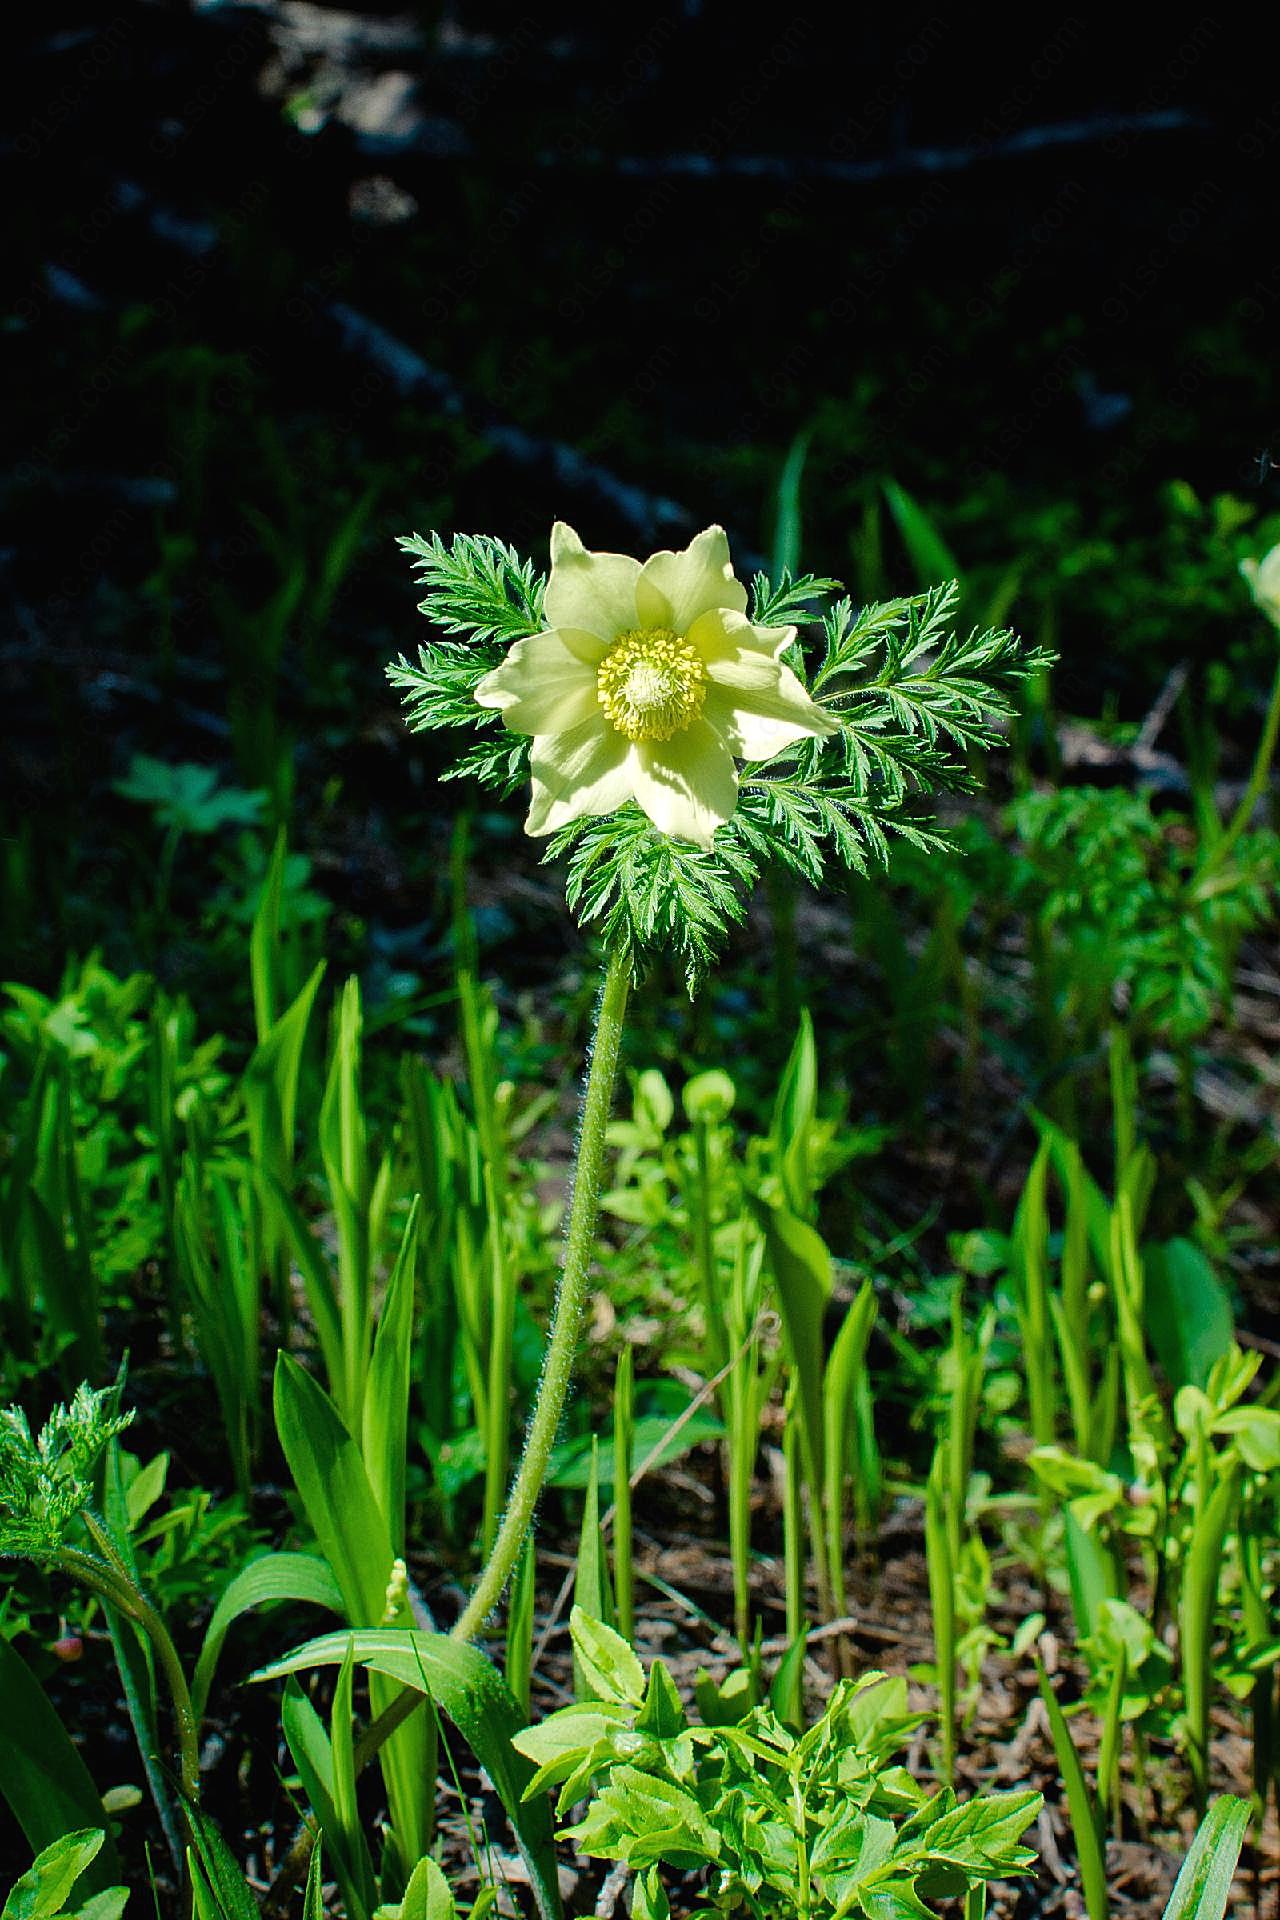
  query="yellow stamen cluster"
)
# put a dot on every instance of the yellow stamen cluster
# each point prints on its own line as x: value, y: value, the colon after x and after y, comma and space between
x: 651, y: 684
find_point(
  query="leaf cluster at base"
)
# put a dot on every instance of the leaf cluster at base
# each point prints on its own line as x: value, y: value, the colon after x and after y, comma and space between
x: 825, y: 1822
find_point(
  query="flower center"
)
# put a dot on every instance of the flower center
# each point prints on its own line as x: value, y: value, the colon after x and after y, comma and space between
x: 651, y: 684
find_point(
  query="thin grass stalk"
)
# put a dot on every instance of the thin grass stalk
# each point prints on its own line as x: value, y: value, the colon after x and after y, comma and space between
x: 1254, y: 1542
x: 623, y: 1447
x: 1214, y: 1507
x: 1090, y: 1855
x: 519, y: 1663
x: 938, y: 1533
x: 793, y: 1539
x: 1031, y: 1235
x: 704, y: 1248
x: 502, y: 1321
x: 844, y: 1369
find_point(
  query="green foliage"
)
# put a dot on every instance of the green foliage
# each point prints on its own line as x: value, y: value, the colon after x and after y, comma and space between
x: 45, y: 1481
x: 43, y: 1776
x: 1112, y: 886
x: 476, y: 585
x: 1203, y: 1886
x: 824, y: 1822
x: 187, y: 798
x: 791, y: 600
x: 45, y: 1888
x: 479, y: 588
x: 643, y: 891
x: 905, y: 686
x: 908, y: 693
x: 466, y: 1686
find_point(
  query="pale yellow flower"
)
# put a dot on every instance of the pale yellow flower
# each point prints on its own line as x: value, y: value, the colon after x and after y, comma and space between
x: 648, y: 683
x: 1264, y: 583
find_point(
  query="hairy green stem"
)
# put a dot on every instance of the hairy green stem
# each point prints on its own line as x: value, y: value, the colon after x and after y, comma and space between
x: 562, y: 1343
x: 120, y: 1591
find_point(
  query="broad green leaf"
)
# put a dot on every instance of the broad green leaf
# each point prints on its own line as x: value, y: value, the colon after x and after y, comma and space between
x: 334, y: 1488
x: 557, y: 1745
x: 345, y: 1804
x: 469, y: 1688
x: 1256, y: 1432
x: 42, y: 1775
x: 45, y: 1887
x: 1188, y: 1311
x: 785, y: 552
x: 270, y: 1082
x: 657, y: 1437
x: 662, y: 1715
x: 316, y: 1278
x: 607, y: 1664
x: 801, y: 1266
x: 313, y: 1898
x: 896, y: 1902
x: 134, y: 1658
x: 275, y: 1577
x: 791, y: 1124
x: 642, y: 1820
x: 348, y: 1523
x: 107, y: 1905
x: 427, y: 1896
x: 1200, y: 1584
x: 784, y: 1688
x: 1091, y: 1569
x: 983, y: 1834
x: 1203, y: 1886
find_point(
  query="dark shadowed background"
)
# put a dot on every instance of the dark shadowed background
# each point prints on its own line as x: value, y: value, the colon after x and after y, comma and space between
x: 289, y: 279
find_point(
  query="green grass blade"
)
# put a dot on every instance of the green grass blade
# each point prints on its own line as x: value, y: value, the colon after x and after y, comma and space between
x: 1203, y: 1886
x: 785, y: 546
x: 591, y: 1590
x: 312, y: 1752
x: 623, y: 1448
x: 839, y: 1397
x: 275, y: 1577
x: 335, y: 1491
x: 938, y: 1536
x: 1200, y: 1581
x: 470, y: 1690
x: 520, y: 1610
x: 384, y: 1439
x: 928, y: 552
x: 1084, y: 1825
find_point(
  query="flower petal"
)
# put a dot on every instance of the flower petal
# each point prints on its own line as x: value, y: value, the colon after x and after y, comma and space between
x: 687, y: 785
x: 721, y: 631
x: 595, y: 592
x: 544, y: 685
x: 585, y: 771
x: 758, y: 706
x: 676, y: 587
x: 750, y: 736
